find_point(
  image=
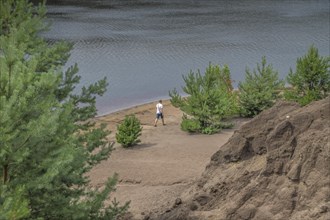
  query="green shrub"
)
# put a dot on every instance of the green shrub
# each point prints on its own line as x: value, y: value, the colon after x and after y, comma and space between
x: 128, y: 131
x: 189, y: 125
x: 210, y: 130
x: 260, y: 89
x: 311, y: 80
x: 210, y: 98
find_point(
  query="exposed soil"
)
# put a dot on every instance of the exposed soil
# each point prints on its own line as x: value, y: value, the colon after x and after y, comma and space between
x: 277, y: 166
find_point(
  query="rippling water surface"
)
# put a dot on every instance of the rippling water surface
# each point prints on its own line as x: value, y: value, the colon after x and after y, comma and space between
x: 144, y: 47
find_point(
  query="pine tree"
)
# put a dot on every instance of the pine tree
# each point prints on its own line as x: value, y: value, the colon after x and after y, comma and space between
x: 210, y: 99
x: 311, y: 80
x: 260, y: 89
x: 47, y: 142
x: 129, y: 131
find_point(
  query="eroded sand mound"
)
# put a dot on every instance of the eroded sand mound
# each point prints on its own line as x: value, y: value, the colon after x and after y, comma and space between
x: 277, y: 166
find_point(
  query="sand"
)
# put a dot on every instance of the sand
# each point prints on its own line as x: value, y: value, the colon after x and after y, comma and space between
x: 154, y: 173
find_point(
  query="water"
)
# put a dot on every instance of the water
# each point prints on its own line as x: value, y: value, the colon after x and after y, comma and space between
x: 144, y: 47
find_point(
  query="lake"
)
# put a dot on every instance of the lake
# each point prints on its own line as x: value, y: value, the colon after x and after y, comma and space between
x: 144, y: 47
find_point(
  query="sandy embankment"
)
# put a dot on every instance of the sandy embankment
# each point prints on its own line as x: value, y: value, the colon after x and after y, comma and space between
x: 167, y: 161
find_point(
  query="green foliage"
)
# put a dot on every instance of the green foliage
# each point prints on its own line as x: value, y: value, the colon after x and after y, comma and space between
x: 47, y: 142
x: 311, y: 80
x: 128, y: 131
x: 210, y: 98
x: 260, y: 89
x: 210, y: 130
x: 13, y: 204
x: 190, y: 125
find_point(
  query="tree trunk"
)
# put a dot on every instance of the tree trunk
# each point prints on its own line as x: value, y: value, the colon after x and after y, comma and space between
x: 5, y: 173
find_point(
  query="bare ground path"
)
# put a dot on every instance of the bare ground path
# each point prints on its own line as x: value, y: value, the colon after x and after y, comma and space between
x: 154, y: 173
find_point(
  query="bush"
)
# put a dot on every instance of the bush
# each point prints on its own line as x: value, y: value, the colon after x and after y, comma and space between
x: 260, y: 89
x: 128, y: 131
x: 210, y: 99
x: 189, y: 125
x: 210, y: 130
x: 311, y: 80
x: 192, y: 126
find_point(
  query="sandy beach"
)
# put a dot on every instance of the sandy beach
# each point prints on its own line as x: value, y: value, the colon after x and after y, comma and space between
x: 154, y: 173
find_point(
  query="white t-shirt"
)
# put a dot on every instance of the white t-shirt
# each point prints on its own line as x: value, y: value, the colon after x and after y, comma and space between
x: 159, y: 108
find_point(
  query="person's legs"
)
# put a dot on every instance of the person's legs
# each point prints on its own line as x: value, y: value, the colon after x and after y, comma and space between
x: 162, y: 116
x: 156, y: 120
x: 163, y: 121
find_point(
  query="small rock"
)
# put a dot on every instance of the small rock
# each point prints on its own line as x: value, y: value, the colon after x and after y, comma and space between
x: 178, y: 201
x: 294, y: 173
x: 202, y: 199
x: 193, y: 206
x: 323, y: 209
x: 147, y: 217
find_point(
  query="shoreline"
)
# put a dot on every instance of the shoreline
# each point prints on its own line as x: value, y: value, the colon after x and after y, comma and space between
x: 145, y: 101
x: 133, y: 106
x: 146, y: 113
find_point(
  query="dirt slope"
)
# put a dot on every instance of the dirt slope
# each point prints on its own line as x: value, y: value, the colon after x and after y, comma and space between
x: 277, y: 166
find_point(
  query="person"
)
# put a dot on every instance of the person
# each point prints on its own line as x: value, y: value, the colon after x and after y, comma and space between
x: 159, y: 113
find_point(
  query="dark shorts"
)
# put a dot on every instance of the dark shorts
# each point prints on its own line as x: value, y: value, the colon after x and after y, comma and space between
x: 159, y: 115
